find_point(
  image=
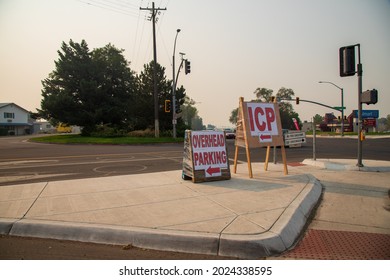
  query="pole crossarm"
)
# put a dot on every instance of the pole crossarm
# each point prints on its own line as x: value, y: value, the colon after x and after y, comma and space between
x: 178, y: 72
x: 153, y: 10
x: 324, y: 105
x: 314, y: 102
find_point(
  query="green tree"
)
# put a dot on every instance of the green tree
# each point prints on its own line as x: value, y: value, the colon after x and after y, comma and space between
x: 189, y: 112
x: 233, y: 116
x: 263, y: 94
x: 89, y: 88
x: 197, y: 123
x: 287, y: 113
x: 317, y: 119
x: 116, y: 88
x: 145, y: 100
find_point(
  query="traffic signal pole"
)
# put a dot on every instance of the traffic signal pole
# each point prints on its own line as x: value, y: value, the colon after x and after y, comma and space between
x: 348, y: 68
x: 174, y: 114
x: 174, y: 87
x: 360, y: 108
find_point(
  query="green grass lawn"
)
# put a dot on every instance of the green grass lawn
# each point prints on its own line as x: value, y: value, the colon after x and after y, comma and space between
x: 78, y: 139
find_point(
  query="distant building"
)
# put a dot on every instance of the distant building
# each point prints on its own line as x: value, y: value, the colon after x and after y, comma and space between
x: 14, y: 120
x: 307, y: 126
x: 45, y: 127
x: 332, y: 123
x: 369, y: 118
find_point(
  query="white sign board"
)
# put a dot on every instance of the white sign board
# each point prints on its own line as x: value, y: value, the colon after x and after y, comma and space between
x: 209, y: 152
x: 294, y: 138
x: 295, y: 141
x: 258, y: 125
x: 262, y: 121
x: 295, y: 134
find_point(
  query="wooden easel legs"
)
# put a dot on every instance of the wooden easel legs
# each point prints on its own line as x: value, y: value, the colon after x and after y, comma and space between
x: 248, y: 156
x: 235, y: 160
x: 283, y: 157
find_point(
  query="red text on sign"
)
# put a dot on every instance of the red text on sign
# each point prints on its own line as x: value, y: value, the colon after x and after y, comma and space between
x: 210, y: 158
x: 208, y: 140
x: 257, y: 116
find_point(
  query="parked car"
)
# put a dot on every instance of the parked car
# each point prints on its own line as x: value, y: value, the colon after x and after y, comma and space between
x: 230, y: 133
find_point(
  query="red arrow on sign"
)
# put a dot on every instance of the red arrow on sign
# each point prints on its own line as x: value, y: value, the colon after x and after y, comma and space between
x: 211, y: 170
x: 265, y: 137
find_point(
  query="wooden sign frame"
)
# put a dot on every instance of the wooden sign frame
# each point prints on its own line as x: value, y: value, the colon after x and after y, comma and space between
x: 205, y: 156
x: 251, y: 132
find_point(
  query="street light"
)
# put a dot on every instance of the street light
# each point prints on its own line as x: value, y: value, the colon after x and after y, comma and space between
x: 342, y: 104
x: 174, y: 86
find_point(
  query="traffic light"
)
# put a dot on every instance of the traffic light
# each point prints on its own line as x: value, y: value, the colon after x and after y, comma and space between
x: 177, y: 107
x: 187, y: 66
x: 347, y: 61
x: 297, y: 100
x: 167, y: 107
x: 370, y: 96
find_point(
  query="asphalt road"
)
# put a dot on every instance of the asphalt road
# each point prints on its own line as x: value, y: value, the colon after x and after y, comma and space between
x: 23, y: 162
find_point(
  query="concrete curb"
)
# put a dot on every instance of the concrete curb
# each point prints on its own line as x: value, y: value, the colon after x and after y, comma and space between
x: 116, y: 235
x: 343, y: 165
x: 281, y: 236
x: 6, y: 225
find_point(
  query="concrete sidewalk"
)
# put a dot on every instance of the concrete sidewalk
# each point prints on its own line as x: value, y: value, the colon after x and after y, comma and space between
x: 241, y: 217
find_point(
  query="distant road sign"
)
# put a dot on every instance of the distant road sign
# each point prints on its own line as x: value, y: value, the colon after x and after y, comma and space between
x: 294, y: 137
x: 367, y: 114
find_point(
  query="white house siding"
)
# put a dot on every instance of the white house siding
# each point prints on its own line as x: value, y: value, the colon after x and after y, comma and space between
x: 14, y: 119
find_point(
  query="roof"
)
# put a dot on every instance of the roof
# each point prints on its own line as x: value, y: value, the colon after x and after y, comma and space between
x: 16, y: 124
x: 11, y: 103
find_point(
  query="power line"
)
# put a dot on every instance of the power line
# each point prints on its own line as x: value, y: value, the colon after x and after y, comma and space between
x: 124, y: 4
x: 108, y: 7
x: 136, y: 35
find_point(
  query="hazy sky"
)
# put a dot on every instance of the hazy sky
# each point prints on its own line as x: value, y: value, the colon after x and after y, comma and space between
x: 234, y: 47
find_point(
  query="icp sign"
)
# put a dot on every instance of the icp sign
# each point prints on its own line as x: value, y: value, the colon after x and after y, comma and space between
x: 262, y: 120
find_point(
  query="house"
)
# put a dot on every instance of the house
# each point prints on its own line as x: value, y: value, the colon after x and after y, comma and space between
x: 14, y: 120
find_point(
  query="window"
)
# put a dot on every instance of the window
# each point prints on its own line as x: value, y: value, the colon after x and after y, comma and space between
x: 9, y: 115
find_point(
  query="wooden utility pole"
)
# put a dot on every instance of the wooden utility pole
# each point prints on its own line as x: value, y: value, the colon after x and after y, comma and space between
x: 154, y: 11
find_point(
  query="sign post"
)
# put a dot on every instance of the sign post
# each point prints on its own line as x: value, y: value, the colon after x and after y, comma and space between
x: 205, y: 156
x: 258, y: 125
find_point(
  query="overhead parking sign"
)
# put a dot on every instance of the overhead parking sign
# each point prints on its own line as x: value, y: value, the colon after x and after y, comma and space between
x: 209, y: 151
x: 205, y: 156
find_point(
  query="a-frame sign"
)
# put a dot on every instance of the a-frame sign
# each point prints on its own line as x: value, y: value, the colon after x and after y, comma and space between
x: 205, y: 156
x: 258, y: 125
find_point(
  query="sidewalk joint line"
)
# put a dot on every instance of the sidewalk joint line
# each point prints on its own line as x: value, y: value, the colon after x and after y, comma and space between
x: 32, y: 204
